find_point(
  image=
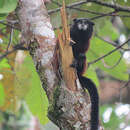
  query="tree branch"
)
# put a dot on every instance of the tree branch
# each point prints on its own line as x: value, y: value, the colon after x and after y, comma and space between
x: 113, y: 66
x: 109, y: 53
x: 10, y: 25
x: 68, y: 6
x: 103, y: 15
x: 117, y: 7
x: 7, y: 53
x: 15, y: 48
x: 69, y: 108
x: 110, y: 5
x: 113, y: 13
x: 10, y: 38
x: 111, y: 43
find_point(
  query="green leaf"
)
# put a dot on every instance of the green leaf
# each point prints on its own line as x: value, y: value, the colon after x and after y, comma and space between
x: 126, y: 20
x: 92, y: 75
x: 29, y: 87
x: 123, y: 2
x: 2, y: 16
x: 114, y: 120
x: 108, y: 31
x: 94, y: 8
x: 7, y: 6
x: 99, y: 48
x: 4, y: 64
x: 2, y: 95
x: 6, y: 38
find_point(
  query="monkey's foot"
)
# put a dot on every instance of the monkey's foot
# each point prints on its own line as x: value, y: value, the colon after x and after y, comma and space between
x: 74, y: 64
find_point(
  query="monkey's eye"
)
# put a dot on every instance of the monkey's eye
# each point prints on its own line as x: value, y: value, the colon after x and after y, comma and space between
x: 79, y: 22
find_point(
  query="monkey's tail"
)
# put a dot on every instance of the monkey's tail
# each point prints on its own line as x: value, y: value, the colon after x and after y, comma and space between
x: 90, y: 86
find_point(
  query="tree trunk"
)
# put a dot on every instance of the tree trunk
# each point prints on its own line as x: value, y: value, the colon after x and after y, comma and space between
x: 69, y: 108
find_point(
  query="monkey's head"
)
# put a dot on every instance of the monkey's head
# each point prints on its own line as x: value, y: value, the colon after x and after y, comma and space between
x: 81, y: 30
x: 83, y: 24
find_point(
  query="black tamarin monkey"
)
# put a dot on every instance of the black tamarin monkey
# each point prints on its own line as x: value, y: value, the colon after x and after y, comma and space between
x: 80, y: 33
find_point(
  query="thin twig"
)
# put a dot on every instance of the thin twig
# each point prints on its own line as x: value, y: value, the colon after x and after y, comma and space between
x: 7, y: 53
x: 68, y: 6
x: 126, y: 83
x: 122, y: 87
x: 10, y: 25
x: 112, y: 43
x: 109, y: 53
x: 15, y: 48
x: 113, y: 66
x: 110, y: 5
x: 117, y: 7
x: 10, y: 38
x: 93, y: 12
x: 78, y: 9
x: 103, y: 15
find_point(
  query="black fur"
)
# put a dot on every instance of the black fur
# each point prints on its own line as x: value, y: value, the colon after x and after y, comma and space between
x: 80, y: 33
x: 81, y: 37
x: 90, y: 86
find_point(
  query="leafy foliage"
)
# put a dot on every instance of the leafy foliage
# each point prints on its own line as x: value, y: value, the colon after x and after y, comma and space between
x: 4, y: 64
x: 2, y: 95
x: 92, y: 75
x: 31, y: 90
x: 22, y: 82
x: 113, y: 122
x: 7, y: 6
x: 100, y: 48
x: 125, y: 20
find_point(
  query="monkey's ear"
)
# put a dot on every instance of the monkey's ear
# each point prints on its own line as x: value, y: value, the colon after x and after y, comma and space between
x: 74, y: 20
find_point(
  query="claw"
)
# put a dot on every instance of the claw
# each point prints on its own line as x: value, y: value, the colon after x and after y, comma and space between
x: 72, y: 42
x: 74, y: 64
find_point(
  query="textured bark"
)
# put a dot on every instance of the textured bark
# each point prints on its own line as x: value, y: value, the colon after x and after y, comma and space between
x: 69, y: 108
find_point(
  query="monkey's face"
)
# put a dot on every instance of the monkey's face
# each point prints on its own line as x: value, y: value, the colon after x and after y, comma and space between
x: 83, y: 24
